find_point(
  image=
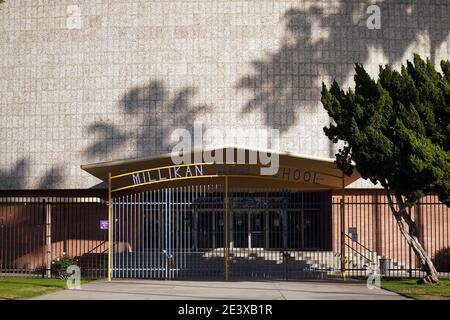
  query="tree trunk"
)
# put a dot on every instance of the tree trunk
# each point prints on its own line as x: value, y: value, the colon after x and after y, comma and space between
x: 408, y: 228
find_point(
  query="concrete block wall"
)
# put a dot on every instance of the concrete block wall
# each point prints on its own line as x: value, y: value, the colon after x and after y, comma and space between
x: 86, y: 81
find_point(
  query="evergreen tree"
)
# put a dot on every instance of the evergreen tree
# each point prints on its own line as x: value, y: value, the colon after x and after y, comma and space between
x: 396, y: 132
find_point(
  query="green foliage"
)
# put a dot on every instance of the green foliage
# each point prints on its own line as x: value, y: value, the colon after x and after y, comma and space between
x: 396, y: 130
x: 60, y: 265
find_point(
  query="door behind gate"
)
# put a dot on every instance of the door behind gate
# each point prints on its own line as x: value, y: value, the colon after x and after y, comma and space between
x: 171, y: 233
x: 184, y: 232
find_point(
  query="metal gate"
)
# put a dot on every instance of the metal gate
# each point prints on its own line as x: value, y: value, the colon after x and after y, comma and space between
x: 205, y: 232
x: 169, y: 233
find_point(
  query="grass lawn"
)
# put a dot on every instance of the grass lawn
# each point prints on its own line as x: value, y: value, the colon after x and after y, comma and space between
x: 24, y: 288
x: 410, y: 288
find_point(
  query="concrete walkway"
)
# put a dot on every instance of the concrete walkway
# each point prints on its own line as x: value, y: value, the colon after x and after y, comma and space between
x: 270, y: 290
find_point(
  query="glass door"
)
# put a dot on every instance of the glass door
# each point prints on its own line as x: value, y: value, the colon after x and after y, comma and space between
x: 257, y: 227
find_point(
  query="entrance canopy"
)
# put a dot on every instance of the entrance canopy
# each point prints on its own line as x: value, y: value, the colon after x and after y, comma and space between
x: 243, y: 167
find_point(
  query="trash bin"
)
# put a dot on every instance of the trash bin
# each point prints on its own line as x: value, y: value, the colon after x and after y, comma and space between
x: 385, y: 264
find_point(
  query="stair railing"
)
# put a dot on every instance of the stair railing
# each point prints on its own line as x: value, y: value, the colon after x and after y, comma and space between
x: 357, y: 251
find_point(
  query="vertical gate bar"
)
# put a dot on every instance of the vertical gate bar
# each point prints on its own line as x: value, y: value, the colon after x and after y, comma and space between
x: 13, y: 237
x: 109, y: 226
x: 8, y: 234
x: 21, y: 249
x: 166, y: 212
x: 194, y: 226
x: 152, y: 233
x: 77, y: 230
x: 23, y: 231
x: 175, y: 232
x: 179, y: 239
x: 149, y: 234
x: 342, y: 229
x: 2, y: 240
x: 143, y: 235
x: 114, y: 240
x: 160, y: 235
x: 32, y: 231
x: 151, y: 262
x: 169, y: 234
x: 168, y: 247
x: 71, y: 233
x: 180, y: 232
x: 48, y: 237
x: 141, y: 238
x: 183, y: 227
x: 125, y: 236
x: 3, y: 225
x: 130, y: 235
x: 146, y: 233
x: 122, y: 237
x: 137, y: 252
x: 189, y: 227
x: 117, y: 241
x: 17, y: 246
x: 138, y: 233
x: 134, y: 235
x: 154, y: 237
x: 142, y: 269
x: 119, y: 238
x: 226, y: 228
x: 19, y: 234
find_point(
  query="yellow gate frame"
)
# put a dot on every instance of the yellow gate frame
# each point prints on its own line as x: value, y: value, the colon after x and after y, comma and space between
x: 110, y: 191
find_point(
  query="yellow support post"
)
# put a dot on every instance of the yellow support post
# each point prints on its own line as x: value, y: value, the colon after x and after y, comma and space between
x: 226, y: 228
x: 109, y: 226
x: 343, y: 259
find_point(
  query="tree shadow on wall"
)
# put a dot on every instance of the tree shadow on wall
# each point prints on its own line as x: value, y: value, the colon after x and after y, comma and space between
x: 15, y: 177
x: 320, y: 41
x: 151, y: 114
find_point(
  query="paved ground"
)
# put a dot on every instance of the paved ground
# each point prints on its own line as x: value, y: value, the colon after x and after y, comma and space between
x: 272, y: 290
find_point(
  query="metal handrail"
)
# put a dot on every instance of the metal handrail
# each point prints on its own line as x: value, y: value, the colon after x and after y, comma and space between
x: 357, y: 242
x: 101, y: 243
x: 353, y: 249
x: 362, y: 255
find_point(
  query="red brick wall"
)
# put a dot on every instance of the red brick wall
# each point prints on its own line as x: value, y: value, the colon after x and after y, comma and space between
x: 369, y: 213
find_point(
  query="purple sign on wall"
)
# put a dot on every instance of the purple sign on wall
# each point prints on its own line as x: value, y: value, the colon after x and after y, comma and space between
x: 103, y: 224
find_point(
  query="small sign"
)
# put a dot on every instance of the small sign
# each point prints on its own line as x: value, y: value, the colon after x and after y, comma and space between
x: 103, y: 224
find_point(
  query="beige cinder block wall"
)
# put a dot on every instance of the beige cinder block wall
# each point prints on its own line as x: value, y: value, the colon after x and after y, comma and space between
x: 88, y: 81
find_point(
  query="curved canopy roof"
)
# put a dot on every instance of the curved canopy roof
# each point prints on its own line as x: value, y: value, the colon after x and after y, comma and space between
x: 295, y: 171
